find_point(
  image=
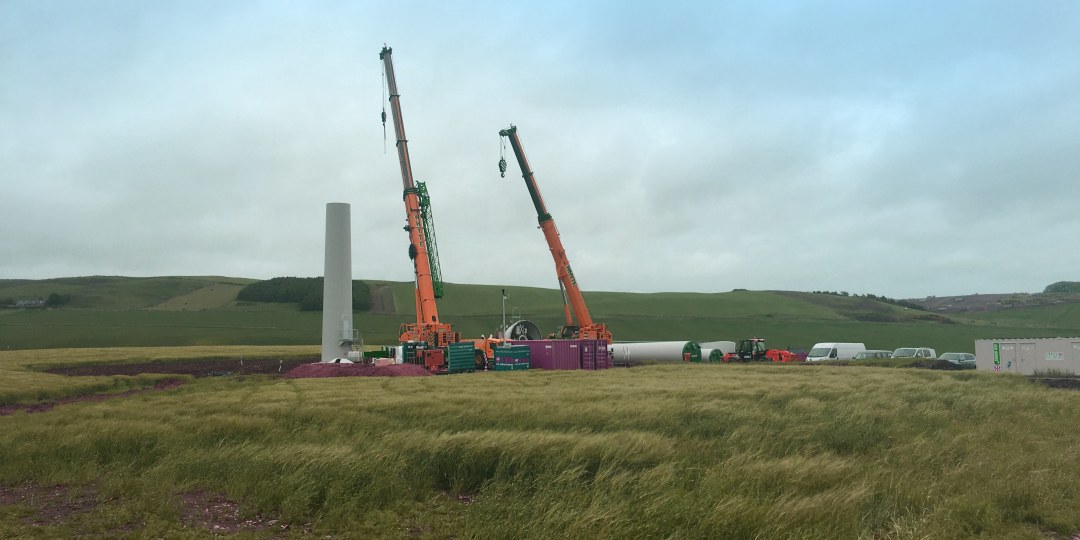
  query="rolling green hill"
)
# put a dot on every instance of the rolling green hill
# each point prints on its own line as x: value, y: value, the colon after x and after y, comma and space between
x: 175, y: 311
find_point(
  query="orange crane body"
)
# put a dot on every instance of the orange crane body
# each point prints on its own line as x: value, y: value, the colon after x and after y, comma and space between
x: 427, y: 327
x: 573, y: 299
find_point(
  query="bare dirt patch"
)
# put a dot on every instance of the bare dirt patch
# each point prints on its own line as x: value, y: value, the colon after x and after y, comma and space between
x: 306, y: 371
x: 49, y: 505
x: 49, y: 405
x: 1067, y: 383
x: 220, y: 515
x: 197, y: 368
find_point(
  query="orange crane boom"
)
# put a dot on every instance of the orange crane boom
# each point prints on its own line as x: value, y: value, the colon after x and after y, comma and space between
x: 427, y: 327
x: 585, y: 328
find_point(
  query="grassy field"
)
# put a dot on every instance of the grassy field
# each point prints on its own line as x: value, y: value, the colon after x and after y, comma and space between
x: 684, y: 451
x: 22, y: 379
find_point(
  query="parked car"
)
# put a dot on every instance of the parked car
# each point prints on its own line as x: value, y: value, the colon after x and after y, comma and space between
x: 872, y: 355
x: 962, y: 360
x: 915, y: 352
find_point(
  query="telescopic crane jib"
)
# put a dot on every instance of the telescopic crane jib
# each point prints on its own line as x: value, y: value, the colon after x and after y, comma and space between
x: 585, y: 328
x: 422, y: 250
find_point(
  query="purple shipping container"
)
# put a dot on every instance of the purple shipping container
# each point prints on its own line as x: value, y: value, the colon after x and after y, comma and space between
x: 553, y: 353
x: 595, y: 354
x: 588, y: 354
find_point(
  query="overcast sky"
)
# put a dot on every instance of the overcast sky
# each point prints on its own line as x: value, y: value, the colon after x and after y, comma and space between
x: 900, y: 148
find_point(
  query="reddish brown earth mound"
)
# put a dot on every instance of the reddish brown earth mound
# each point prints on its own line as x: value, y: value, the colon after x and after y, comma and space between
x: 305, y: 371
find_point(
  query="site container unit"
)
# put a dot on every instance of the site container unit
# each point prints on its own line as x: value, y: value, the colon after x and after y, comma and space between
x: 511, y: 358
x: 460, y: 357
x: 553, y: 353
x: 1026, y: 356
x: 595, y: 354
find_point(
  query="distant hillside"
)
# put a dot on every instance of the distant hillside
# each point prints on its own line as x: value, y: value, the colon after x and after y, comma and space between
x: 122, y: 311
x: 118, y: 292
x: 977, y: 303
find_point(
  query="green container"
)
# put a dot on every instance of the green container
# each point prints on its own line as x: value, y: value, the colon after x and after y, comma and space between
x: 512, y: 367
x: 460, y: 357
x: 517, y: 352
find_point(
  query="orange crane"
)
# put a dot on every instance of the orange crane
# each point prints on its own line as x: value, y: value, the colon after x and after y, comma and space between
x: 585, y: 328
x: 422, y: 250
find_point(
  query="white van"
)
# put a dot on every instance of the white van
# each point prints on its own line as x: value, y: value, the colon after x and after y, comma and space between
x: 834, y: 351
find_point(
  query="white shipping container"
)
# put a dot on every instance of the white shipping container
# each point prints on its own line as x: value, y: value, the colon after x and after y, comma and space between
x: 1028, y: 356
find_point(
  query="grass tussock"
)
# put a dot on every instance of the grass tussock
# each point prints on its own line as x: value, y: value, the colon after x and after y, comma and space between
x: 654, y: 452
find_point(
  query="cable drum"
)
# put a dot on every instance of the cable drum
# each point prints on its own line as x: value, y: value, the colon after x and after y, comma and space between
x: 523, y: 330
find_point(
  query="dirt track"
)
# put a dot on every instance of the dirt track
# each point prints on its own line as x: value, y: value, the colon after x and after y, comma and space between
x: 197, y: 368
x: 46, y: 406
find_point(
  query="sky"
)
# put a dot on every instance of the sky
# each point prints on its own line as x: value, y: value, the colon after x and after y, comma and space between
x: 905, y: 149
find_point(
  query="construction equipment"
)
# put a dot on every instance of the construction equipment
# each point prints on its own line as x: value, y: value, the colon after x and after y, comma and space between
x: 427, y: 329
x: 584, y: 328
x: 754, y: 350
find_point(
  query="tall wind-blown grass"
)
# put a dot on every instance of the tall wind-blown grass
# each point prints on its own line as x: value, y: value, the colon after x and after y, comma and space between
x: 688, y: 451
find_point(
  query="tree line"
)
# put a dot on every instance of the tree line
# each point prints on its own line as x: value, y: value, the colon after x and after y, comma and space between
x: 1063, y: 287
x: 308, y: 292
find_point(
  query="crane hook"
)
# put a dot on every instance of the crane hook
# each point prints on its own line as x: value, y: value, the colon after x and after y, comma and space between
x: 502, y: 157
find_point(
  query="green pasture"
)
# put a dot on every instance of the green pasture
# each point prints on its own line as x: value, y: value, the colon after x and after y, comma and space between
x: 671, y: 451
x: 202, y: 311
x: 113, y: 292
x: 31, y: 329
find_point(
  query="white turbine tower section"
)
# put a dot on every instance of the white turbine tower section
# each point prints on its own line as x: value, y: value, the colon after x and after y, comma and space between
x: 338, y: 335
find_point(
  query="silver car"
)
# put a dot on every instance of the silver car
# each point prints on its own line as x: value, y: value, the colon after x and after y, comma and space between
x: 915, y: 352
x: 872, y: 355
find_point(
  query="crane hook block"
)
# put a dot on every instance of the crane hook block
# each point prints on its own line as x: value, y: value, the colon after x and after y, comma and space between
x: 502, y: 167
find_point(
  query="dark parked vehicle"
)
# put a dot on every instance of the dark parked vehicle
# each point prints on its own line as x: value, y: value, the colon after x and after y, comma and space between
x: 962, y: 360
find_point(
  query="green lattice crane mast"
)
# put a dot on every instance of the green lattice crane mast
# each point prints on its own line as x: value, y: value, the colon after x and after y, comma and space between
x: 585, y: 327
x: 429, y: 233
x: 427, y: 328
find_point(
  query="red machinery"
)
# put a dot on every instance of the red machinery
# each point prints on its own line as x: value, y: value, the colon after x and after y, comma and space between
x: 422, y: 250
x: 585, y: 328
